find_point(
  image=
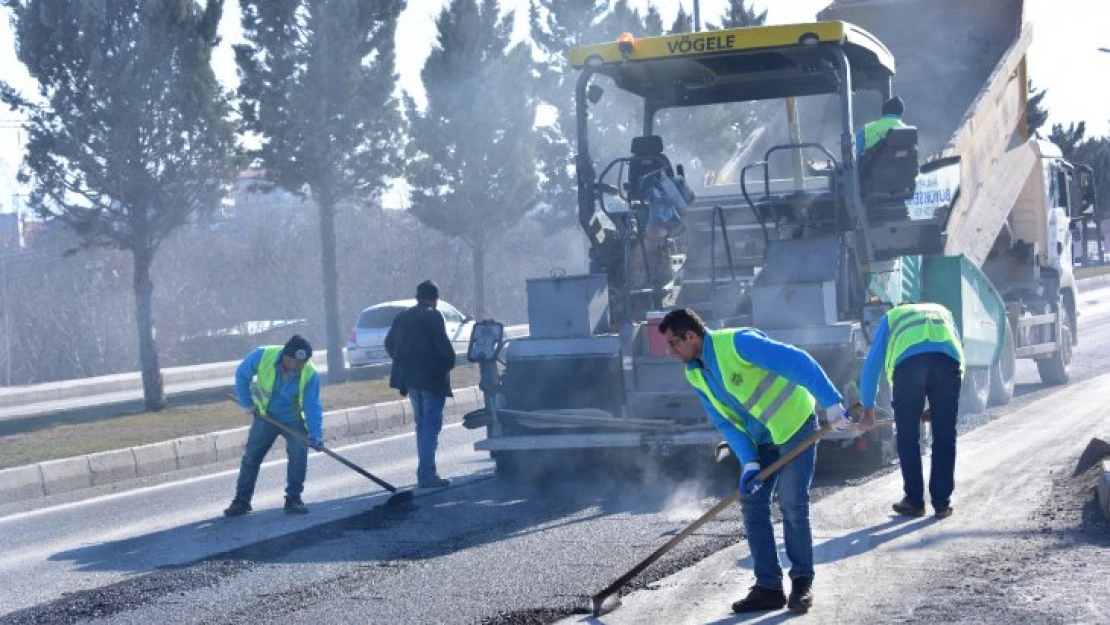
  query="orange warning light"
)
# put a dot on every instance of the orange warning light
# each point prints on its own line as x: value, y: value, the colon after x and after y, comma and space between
x: 625, y: 43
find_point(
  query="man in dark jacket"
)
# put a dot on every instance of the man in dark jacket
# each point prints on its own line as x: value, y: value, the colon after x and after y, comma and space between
x: 422, y: 361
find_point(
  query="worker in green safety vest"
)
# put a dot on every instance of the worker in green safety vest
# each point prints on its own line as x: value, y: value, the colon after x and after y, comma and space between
x: 286, y: 389
x: 759, y: 394
x: 918, y: 348
x: 874, y: 132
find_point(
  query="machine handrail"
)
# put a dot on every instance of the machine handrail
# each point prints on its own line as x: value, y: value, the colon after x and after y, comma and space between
x: 748, y: 199
x: 719, y: 212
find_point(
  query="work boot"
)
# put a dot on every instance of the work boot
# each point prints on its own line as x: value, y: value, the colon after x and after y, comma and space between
x: 943, y: 513
x: 759, y: 599
x: 433, y: 482
x: 294, y: 505
x: 905, y: 508
x: 238, y: 507
x: 801, y: 597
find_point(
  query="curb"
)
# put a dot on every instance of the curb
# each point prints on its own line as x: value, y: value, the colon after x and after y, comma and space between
x: 66, y: 475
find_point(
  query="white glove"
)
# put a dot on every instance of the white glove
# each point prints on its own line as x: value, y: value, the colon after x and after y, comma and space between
x: 837, y: 417
x: 249, y: 411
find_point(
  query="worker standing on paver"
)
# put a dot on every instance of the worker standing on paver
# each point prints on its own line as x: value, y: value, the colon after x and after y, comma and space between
x: 758, y: 394
x: 918, y: 347
x: 286, y: 389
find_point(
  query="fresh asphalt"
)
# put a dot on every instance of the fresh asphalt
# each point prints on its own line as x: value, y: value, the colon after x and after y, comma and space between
x: 480, y: 551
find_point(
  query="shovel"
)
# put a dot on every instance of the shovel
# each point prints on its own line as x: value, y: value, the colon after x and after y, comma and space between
x: 400, y: 497
x: 598, y: 601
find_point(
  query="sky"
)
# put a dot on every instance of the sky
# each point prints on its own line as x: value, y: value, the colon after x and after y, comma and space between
x: 1064, y: 57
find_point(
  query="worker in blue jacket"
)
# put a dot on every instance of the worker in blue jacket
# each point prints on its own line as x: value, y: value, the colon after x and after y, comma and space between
x: 286, y: 388
x: 918, y: 347
x: 759, y: 393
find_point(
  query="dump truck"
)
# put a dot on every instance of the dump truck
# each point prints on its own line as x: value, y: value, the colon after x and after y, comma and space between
x: 796, y: 235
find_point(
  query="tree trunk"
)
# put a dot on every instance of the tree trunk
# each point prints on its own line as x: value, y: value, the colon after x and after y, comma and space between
x: 479, y: 281
x: 154, y: 394
x: 336, y: 365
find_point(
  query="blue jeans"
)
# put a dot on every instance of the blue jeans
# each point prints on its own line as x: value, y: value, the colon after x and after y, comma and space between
x: 936, y: 376
x: 261, y: 437
x: 792, y: 481
x: 427, y: 411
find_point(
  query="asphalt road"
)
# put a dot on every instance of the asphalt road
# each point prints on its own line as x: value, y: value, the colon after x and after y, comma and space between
x: 480, y: 551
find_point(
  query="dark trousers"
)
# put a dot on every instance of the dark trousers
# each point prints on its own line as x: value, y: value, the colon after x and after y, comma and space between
x: 935, y: 376
x: 259, y: 440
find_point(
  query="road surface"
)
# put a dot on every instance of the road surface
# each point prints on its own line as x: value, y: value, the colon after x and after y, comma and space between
x: 483, y: 551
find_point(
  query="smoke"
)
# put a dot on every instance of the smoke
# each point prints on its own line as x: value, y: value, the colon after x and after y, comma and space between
x: 687, y: 503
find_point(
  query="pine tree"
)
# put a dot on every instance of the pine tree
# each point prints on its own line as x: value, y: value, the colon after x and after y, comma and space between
x: 683, y: 22
x: 1068, y: 139
x: 556, y: 27
x: 741, y: 14
x: 317, y: 85
x: 472, y: 160
x: 132, y: 138
x: 1036, y: 116
x: 653, y: 22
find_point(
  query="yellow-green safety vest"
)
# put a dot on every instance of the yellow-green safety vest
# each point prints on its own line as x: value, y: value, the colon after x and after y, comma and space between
x: 779, y: 404
x: 913, y: 324
x: 267, y: 375
x: 874, y: 132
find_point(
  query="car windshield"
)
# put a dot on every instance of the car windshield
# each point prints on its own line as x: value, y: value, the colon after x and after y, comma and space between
x: 379, y: 317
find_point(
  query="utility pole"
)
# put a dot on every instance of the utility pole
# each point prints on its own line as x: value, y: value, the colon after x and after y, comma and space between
x: 697, y: 16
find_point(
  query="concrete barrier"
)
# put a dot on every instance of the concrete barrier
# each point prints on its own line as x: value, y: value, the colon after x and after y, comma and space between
x: 69, y: 474
x: 361, y: 421
x: 62, y: 476
x: 195, y: 451
x: 19, y: 483
x: 107, y: 467
x: 391, y: 414
x: 155, y: 458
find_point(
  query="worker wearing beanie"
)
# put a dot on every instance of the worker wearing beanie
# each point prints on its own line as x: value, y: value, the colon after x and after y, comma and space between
x: 872, y: 133
x: 422, y: 361
x: 286, y: 388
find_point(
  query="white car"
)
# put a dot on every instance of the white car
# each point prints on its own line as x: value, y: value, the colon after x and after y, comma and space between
x: 366, y: 341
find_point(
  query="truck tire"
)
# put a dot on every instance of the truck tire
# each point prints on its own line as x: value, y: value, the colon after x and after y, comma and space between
x: 1002, y: 372
x: 1056, y: 370
x: 975, y: 390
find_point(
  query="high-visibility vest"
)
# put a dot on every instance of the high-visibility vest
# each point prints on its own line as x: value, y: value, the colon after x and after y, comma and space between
x: 875, y: 131
x: 913, y: 324
x: 779, y: 404
x: 267, y: 376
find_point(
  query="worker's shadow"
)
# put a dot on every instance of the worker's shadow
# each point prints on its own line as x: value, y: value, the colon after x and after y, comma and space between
x: 839, y: 548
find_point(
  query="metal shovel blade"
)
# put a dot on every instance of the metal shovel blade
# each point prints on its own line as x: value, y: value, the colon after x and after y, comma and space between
x: 1096, y: 450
